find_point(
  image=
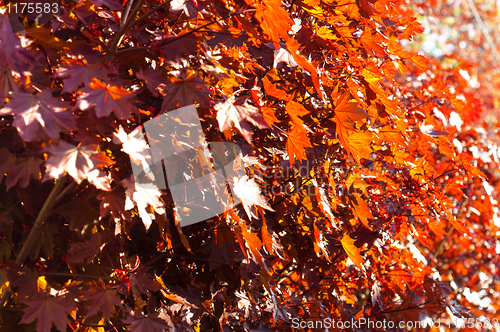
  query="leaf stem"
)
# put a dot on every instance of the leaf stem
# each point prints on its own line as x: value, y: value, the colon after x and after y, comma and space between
x: 160, y: 6
x: 44, y: 213
x: 123, y: 29
x: 71, y: 275
x: 65, y: 191
x: 168, y: 41
x: 127, y: 11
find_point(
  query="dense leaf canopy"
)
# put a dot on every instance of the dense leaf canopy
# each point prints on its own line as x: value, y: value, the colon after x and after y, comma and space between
x: 370, y: 170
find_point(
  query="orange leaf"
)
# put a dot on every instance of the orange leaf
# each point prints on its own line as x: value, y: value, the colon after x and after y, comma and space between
x: 293, y: 46
x: 294, y: 110
x: 392, y: 136
x: 115, y: 92
x: 273, y: 90
x: 266, y: 238
x: 296, y: 143
x: 459, y: 226
x: 346, y: 116
x: 359, y: 145
x: 445, y: 147
x: 472, y: 171
x: 254, y: 243
x: 361, y: 209
x: 352, y: 251
x: 371, y: 43
x: 436, y: 228
x: 268, y: 114
x: 274, y: 19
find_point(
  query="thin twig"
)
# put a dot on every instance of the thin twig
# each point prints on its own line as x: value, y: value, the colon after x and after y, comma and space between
x: 123, y: 29
x: 44, y: 213
x: 71, y: 275
x: 66, y: 190
x: 160, y: 6
x: 127, y: 11
x: 172, y: 40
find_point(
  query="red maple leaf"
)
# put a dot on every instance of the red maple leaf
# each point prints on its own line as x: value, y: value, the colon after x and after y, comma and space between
x: 38, y: 116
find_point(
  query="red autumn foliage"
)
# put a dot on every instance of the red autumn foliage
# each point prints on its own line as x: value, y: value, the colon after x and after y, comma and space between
x: 371, y: 186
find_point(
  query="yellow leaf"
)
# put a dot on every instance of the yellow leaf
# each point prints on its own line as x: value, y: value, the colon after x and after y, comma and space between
x: 370, y: 77
x: 325, y: 33
x: 41, y: 283
x: 355, y: 181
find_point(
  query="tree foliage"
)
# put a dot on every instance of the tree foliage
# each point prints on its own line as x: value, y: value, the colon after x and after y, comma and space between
x: 371, y: 177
